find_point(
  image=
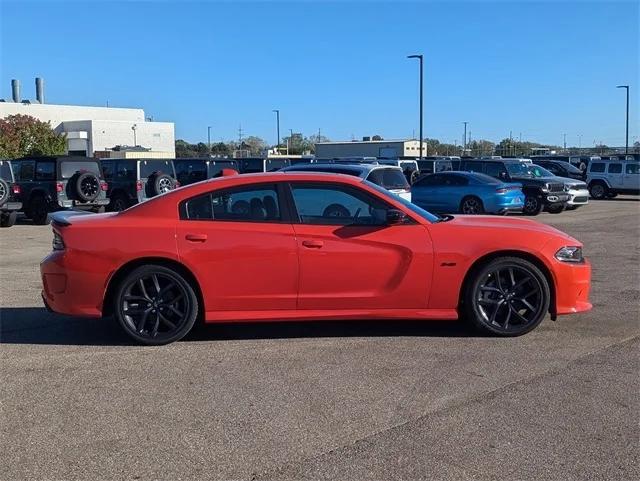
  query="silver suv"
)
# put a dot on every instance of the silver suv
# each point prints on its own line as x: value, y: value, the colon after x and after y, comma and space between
x: 613, y: 177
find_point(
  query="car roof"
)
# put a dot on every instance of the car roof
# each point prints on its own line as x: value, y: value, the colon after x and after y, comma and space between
x: 356, y: 168
x: 65, y: 158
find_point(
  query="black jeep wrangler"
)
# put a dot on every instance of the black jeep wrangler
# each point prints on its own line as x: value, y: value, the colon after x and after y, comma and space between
x: 9, y: 195
x: 135, y: 180
x: 538, y: 193
x: 48, y: 184
x: 191, y: 170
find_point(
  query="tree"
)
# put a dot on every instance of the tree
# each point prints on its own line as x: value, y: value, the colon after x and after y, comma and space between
x: 254, y: 144
x: 22, y: 135
x: 377, y: 137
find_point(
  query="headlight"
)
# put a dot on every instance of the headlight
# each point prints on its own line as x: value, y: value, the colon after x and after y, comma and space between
x: 570, y: 254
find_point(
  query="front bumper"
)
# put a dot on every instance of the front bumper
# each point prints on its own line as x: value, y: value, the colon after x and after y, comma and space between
x: 578, y: 197
x: 555, y: 198
x: 573, y: 284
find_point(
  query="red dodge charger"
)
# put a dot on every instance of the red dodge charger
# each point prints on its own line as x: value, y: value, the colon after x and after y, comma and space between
x: 302, y: 246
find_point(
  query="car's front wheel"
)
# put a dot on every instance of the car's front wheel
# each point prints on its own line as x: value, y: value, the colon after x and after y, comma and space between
x: 508, y: 296
x: 532, y: 205
x: 155, y: 305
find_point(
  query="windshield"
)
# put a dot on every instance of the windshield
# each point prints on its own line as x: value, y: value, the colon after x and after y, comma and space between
x: 69, y: 169
x: 537, y: 171
x: 148, y: 167
x: 5, y: 171
x: 519, y: 169
x: 412, y: 207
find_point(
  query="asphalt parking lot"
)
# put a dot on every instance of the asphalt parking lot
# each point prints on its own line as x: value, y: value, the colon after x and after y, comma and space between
x: 348, y: 401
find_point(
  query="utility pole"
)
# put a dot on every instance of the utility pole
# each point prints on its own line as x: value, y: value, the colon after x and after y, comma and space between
x: 277, y: 111
x: 626, y: 143
x: 240, y: 135
x: 464, y: 141
x: 209, y: 138
x: 564, y: 141
x: 420, y: 58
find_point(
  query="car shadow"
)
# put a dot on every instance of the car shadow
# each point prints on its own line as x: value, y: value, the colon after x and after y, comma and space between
x: 32, y: 325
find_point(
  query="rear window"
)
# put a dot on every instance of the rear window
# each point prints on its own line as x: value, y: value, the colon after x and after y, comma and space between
x: 69, y: 169
x: 5, y: 171
x: 389, y: 178
x: 149, y: 167
x: 597, y: 167
x: 615, y: 168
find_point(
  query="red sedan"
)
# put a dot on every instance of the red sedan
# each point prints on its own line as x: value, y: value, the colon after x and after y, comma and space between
x: 296, y: 246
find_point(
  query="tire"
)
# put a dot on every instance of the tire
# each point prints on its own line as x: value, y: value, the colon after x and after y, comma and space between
x: 87, y: 187
x: 162, y: 184
x: 8, y: 219
x: 336, y: 210
x: 118, y: 203
x: 598, y: 190
x: 611, y: 195
x: 38, y: 210
x: 505, y: 290
x: 532, y: 204
x: 4, y: 192
x: 161, y: 303
x: 471, y: 206
x: 555, y: 208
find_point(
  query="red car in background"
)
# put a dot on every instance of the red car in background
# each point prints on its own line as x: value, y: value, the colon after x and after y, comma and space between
x: 302, y: 246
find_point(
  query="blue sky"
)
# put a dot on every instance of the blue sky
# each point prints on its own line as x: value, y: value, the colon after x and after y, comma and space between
x: 539, y: 69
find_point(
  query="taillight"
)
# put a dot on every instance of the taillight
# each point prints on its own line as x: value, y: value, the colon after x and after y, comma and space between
x: 58, y: 243
x: 59, y: 187
x: 139, y: 186
x: 15, y: 188
x: 104, y: 186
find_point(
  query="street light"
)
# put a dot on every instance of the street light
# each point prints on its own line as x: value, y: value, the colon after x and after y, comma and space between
x: 464, y: 142
x: 278, y: 128
x: 134, y: 127
x: 420, y: 57
x: 209, y: 138
x: 626, y: 144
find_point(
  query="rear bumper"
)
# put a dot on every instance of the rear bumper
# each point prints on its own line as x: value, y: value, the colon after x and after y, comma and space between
x: 69, y: 291
x: 573, y: 284
x: 11, y: 206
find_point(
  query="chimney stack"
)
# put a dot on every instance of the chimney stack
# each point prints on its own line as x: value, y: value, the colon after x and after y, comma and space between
x: 40, y: 90
x: 15, y: 90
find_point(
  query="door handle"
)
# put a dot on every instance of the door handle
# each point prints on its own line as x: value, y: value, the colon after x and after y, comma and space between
x: 196, y: 237
x: 313, y: 244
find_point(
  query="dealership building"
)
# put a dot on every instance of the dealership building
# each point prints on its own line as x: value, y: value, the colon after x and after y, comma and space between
x: 95, y: 131
x: 390, y: 149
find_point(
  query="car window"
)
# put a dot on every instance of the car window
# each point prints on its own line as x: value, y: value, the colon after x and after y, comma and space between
x: 456, y: 180
x: 426, y: 166
x: 27, y: 169
x: 494, y: 169
x: 45, y: 171
x: 388, y: 178
x: 597, y: 167
x: 335, y: 204
x: 443, y: 166
x: 69, y: 169
x: 5, y: 171
x: 126, y: 171
x: 632, y: 168
x: 427, y: 180
x: 615, y: 168
x: 188, y: 172
x: 518, y: 169
x: 150, y: 167
x: 242, y: 204
x: 107, y: 169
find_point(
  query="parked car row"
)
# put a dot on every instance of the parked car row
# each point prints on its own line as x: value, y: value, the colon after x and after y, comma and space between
x: 38, y: 186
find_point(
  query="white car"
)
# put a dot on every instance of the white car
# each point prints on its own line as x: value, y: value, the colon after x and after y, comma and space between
x: 388, y: 176
x: 578, y: 190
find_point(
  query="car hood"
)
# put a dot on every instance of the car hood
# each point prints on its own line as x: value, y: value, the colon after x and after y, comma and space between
x: 500, y: 223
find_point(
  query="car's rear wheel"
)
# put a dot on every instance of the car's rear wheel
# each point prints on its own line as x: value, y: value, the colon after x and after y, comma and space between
x: 598, y: 190
x: 532, y: 205
x: 8, y: 219
x: 471, y: 206
x: 156, y: 305
x: 508, y: 296
x: 38, y: 210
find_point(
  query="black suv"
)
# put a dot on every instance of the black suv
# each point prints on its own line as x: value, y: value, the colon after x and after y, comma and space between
x: 136, y: 180
x: 539, y: 193
x: 561, y: 168
x: 48, y: 184
x: 189, y: 171
x: 9, y: 192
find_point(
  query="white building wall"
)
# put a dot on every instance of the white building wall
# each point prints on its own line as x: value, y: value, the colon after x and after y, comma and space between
x: 374, y: 148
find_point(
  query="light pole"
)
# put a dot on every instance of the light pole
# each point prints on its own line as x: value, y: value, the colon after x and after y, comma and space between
x: 420, y: 57
x: 134, y: 127
x: 209, y: 139
x: 277, y: 128
x: 626, y: 143
x: 464, y: 142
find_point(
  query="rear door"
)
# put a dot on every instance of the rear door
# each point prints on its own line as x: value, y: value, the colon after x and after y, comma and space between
x: 615, y: 176
x: 241, y: 246
x: 632, y: 177
x: 353, y: 260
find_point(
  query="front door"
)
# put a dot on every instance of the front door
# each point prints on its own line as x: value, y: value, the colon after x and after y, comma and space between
x: 241, y: 249
x: 350, y: 258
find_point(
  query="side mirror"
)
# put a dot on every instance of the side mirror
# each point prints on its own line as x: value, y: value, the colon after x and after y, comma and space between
x: 395, y: 217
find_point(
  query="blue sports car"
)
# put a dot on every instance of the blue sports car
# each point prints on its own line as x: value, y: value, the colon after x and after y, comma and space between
x: 466, y: 192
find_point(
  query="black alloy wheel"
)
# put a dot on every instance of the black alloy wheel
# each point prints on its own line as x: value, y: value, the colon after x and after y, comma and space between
x: 87, y: 186
x: 532, y: 205
x: 155, y: 305
x: 598, y: 190
x: 8, y: 219
x: 472, y: 206
x: 509, y: 296
x: 4, y: 191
